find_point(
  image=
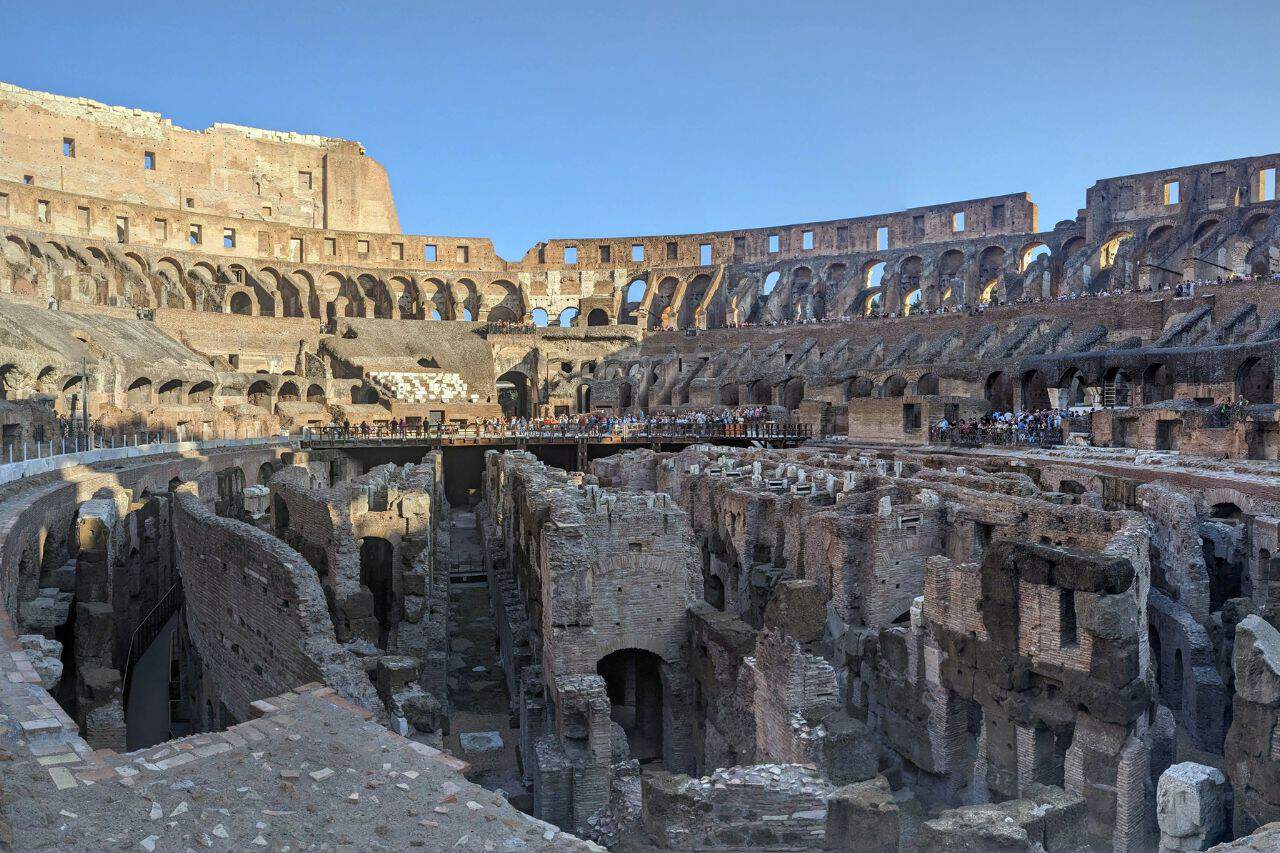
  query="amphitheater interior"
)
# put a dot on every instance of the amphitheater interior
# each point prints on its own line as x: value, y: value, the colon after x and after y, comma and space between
x: 929, y: 530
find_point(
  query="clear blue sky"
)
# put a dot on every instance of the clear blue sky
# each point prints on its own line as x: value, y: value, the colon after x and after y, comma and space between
x: 527, y: 121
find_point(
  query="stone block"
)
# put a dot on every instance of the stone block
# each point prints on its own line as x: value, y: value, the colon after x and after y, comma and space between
x: 798, y: 610
x: 864, y: 817
x: 1256, y: 661
x: 1191, y: 807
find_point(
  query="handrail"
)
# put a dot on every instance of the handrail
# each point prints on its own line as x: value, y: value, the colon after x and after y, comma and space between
x: 147, y: 629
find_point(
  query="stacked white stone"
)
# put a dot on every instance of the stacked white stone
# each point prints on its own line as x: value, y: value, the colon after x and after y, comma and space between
x: 421, y: 387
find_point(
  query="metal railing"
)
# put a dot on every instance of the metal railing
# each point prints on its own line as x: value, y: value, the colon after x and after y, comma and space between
x: 638, y: 431
x: 147, y: 629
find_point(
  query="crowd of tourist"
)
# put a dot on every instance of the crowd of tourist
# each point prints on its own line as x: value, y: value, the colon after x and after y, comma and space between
x: 1031, y: 427
x: 593, y: 424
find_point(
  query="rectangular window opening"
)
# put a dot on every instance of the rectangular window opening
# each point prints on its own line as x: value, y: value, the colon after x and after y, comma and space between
x: 82, y: 216
x: 806, y: 240
x: 774, y: 244
x: 1067, y: 634
x: 149, y: 160
x: 997, y: 216
x: 842, y: 236
x: 606, y: 254
x: 739, y: 246
x: 463, y: 254
x: 1267, y: 184
x: 957, y: 221
x: 160, y: 229
x: 42, y: 211
x: 295, y: 248
x: 673, y: 251
x: 190, y: 202
x: 882, y: 238
x: 917, y: 226
x: 397, y: 251
x: 704, y: 254
x: 122, y: 229
x: 304, y: 180
x: 228, y: 238
x: 570, y: 254
x: 193, y: 235
x: 429, y: 253
x: 330, y: 246
x: 4, y: 204
x: 637, y: 252
x: 28, y: 179
x: 68, y: 147
x: 266, y: 211
x: 362, y: 247
x: 1172, y: 192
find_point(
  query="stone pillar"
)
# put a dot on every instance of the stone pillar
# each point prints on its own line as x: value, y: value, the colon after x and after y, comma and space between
x: 863, y: 817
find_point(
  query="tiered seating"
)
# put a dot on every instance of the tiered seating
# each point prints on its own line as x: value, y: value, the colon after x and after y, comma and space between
x: 421, y: 387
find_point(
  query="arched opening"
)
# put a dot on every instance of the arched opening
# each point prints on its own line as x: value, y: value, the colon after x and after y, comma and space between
x: 1157, y: 384
x: 927, y: 384
x: 770, y: 282
x: 1111, y: 248
x: 911, y: 303
x: 728, y: 395
x: 597, y: 317
x: 998, y: 393
x: 1072, y: 387
x: 139, y: 392
x: 241, y: 303
x: 280, y: 512
x: 260, y: 394
x: 894, y: 385
x: 713, y: 591
x: 315, y: 394
x: 633, y: 681
x: 1117, y: 388
x: 631, y: 301
x: 624, y: 396
x: 567, y: 316
x: 1032, y: 253
x: 170, y: 392
x: 793, y: 393
x: 539, y: 317
x: 1174, y: 694
x: 513, y: 394
x: 1255, y: 381
x: 1035, y: 391
x: 375, y: 574
x: 289, y: 393
x: 201, y: 392
x: 873, y: 274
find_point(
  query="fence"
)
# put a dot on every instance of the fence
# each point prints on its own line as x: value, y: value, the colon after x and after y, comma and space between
x: 639, y: 431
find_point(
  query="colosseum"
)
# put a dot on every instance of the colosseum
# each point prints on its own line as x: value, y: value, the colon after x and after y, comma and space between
x: 927, y: 530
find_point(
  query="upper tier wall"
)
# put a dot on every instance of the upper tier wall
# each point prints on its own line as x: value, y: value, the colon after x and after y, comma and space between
x: 90, y: 149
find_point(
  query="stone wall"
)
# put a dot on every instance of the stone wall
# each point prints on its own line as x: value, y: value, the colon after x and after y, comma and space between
x: 256, y: 613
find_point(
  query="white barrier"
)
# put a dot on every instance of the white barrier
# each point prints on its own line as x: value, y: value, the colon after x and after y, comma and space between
x: 34, y: 467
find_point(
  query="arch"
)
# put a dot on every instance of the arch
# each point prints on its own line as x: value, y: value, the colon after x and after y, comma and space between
x: 927, y: 384
x: 1031, y: 253
x: 1157, y: 383
x: 201, y: 392
x: 872, y: 273
x: 290, y: 298
x: 241, y: 303
x: 634, y: 684
x: 259, y: 394
x: 660, y: 303
x: 1035, y: 391
x: 539, y: 317
x: 1072, y: 246
x: 567, y: 316
x: 139, y: 392
x: 170, y: 391
x: 793, y: 393
x: 1072, y: 387
x: 894, y: 385
x: 858, y: 386
x: 597, y: 317
x: 1117, y: 388
x: 869, y: 302
x: 1111, y: 248
x: 997, y: 391
x: 514, y: 394
x: 502, y: 293
x: 1255, y: 381
x: 1205, y: 230
x: 693, y: 296
x: 770, y: 282
x: 951, y: 276
x: 911, y: 302
x: 728, y: 394
x: 288, y: 393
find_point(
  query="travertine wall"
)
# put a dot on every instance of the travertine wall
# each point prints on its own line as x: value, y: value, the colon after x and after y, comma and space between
x: 226, y: 170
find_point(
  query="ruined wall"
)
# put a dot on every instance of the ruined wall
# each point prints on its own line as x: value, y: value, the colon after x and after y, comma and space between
x: 225, y: 170
x: 256, y: 613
